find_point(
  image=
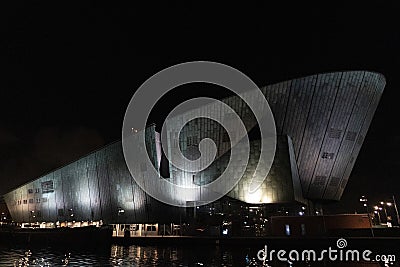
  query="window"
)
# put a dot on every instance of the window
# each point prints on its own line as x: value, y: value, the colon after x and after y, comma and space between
x: 151, y: 228
x: 334, y: 133
x: 31, y: 200
x: 319, y: 181
x: 351, y: 136
x: 327, y: 155
x: 25, y: 201
x: 334, y: 181
x: 30, y: 191
x: 37, y: 190
x: 38, y: 200
x: 44, y: 199
x: 47, y: 187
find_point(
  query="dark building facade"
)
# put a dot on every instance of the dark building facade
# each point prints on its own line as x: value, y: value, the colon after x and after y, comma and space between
x: 321, y: 122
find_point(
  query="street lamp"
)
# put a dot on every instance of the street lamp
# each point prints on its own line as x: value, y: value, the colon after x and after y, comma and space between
x: 396, y: 210
x: 364, y: 200
x: 379, y: 216
x: 390, y: 204
x: 384, y: 209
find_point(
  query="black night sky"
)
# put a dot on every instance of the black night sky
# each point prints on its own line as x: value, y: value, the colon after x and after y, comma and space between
x: 69, y: 71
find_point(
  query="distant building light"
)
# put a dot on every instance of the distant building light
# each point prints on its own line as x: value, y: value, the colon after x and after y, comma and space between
x: 121, y: 211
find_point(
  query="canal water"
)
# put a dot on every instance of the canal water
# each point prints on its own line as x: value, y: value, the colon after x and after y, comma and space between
x: 117, y: 255
x: 120, y: 256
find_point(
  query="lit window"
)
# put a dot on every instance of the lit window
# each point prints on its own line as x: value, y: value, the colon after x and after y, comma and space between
x: 151, y: 228
x: 327, y: 155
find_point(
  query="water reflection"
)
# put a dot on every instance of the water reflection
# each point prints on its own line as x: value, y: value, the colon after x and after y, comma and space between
x: 145, y: 256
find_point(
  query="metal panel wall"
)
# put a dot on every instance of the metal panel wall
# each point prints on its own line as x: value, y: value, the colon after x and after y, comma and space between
x: 324, y: 125
x: 327, y: 116
x: 95, y: 187
x: 322, y: 114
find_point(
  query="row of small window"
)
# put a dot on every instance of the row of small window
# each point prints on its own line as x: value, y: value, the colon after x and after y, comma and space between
x: 25, y: 201
x: 30, y: 190
x: 135, y: 227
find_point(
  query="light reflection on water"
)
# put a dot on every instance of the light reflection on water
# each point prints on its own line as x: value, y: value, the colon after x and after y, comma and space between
x: 134, y: 256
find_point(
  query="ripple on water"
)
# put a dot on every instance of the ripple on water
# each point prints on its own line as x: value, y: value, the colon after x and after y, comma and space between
x: 134, y: 256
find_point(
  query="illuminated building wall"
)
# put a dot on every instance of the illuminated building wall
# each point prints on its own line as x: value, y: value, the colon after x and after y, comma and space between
x: 95, y: 187
x: 321, y: 123
x: 326, y: 116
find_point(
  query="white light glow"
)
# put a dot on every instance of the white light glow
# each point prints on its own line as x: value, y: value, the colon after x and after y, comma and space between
x: 254, y: 197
